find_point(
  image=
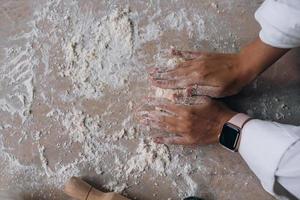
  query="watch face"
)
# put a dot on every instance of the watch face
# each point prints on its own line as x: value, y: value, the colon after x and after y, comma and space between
x: 229, y: 136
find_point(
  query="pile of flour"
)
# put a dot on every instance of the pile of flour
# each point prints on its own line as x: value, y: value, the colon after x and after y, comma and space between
x: 98, y: 52
x: 98, y: 55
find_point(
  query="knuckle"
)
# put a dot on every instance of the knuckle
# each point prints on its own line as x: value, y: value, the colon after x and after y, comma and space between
x: 188, y: 126
x: 162, y: 119
x: 186, y: 113
x: 200, y: 62
x: 199, y: 74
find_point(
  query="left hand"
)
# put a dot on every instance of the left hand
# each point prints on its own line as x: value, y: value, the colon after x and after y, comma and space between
x: 203, y: 73
x: 198, y: 123
x: 217, y: 74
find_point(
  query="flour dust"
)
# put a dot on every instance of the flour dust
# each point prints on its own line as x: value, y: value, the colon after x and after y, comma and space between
x: 69, y: 85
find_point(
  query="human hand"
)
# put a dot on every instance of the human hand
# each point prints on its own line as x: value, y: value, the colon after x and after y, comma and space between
x: 212, y: 74
x: 216, y: 74
x: 198, y: 121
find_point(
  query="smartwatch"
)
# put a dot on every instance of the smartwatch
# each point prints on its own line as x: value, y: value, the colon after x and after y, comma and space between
x: 230, y: 135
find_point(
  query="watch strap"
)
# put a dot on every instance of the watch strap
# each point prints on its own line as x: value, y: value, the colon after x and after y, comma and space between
x: 239, y: 120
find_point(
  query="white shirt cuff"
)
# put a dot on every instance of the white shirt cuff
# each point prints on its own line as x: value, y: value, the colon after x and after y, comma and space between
x: 263, y: 144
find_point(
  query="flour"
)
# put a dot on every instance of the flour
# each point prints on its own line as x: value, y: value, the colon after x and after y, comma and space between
x: 44, y: 160
x: 98, y: 53
x: 149, y: 154
x: 151, y: 32
x: 188, y: 187
x: 169, y: 93
x: 70, y: 80
x: 177, y: 20
x: 16, y: 88
x: 192, y: 186
x: 24, y: 136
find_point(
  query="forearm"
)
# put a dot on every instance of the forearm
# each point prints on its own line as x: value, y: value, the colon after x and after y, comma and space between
x: 257, y: 57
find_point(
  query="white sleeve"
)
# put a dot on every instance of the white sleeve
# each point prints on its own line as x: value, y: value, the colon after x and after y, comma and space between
x: 272, y: 151
x: 288, y: 172
x: 280, y: 23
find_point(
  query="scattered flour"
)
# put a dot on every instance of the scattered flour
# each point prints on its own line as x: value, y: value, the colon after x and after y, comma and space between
x: 98, y: 53
x: 44, y: 160
x: 149, y: 155
x: 96, y: 148
x: 178, y: 20
x: 16, y: 80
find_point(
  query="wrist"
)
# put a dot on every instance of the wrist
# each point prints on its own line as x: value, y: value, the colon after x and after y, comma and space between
x: 256, y: 57
x: 248, y: 70
x: 231, y: 133
x: 225, y: 116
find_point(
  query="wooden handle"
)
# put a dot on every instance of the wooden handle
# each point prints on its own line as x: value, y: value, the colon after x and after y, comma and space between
x: 77, y: 188
x: 80, y: 190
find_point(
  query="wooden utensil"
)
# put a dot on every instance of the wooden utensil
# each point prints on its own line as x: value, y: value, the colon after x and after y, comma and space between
x: 80, y: 190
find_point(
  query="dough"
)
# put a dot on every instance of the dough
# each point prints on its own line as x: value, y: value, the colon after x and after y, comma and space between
x: 169, y: 93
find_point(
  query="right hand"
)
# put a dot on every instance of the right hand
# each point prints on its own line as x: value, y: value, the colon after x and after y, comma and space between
x: 193, y: 120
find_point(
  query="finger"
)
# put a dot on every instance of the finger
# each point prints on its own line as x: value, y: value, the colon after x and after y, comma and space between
x: 159, y: 125
x: 171, y: 140
x: 186, y: 54
x: 154, y: 101
x: 212, y: 91
x: 162, y: 117
x: 148, y: 104
x: 170, y: 108
x: 152, y: 124
x: 163, y: 121
x: 179, y: 70
x: 167, y: 75
x: 179, y: 78
x: 172, y: 84
x: 194, y: 100
x: 153, y: 70
x: 184, y: 64
x: 162, y: 104
x: 182, y: 93
x: 165, y: 84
